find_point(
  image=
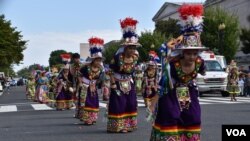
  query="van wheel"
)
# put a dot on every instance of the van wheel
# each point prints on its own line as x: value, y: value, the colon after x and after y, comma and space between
x: 224, y: 93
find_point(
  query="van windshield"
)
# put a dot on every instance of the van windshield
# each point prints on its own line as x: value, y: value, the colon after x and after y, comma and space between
x: 212, y: 65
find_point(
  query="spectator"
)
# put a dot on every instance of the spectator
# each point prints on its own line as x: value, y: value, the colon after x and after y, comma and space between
x: 241, y: 84
x: 247, y: 86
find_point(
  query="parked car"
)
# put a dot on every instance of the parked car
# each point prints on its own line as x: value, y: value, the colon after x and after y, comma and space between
x: 13, y: 82
x: 20, y: 82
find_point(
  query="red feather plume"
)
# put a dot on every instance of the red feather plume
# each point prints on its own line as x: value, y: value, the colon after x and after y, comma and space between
x: 65, y: 56
x: 152, y: 53
x: 190, y: 10
x: 128, y: 22
x: 96, y: 40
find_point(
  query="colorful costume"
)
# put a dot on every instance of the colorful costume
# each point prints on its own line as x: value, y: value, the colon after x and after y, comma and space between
x: 106, y: 86
x: 232, y: 86
x: 178, y: 114
x: 75, y: 72
x: 64, y: 90
x: 138, y: 79
x: 31, y: 89
x: 42, y: 89
x: 150, y: 80
x: 122, y: 108
x: 90, y: 79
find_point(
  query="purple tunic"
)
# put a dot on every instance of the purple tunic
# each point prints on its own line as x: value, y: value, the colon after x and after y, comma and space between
x: 122, y: 108
x: 89, y: 111
x: 64, y: 97
x: 174, y: 121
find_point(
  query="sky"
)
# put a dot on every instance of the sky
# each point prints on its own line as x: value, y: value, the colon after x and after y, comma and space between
x: 50, y: 25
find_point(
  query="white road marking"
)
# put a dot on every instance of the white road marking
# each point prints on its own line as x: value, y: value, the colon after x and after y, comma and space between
x: 41, y: 107
x: 218, y: 101
x: 9, y: 108
x: 228, y: 99
x: 102, y: 104
x: 141, y: 105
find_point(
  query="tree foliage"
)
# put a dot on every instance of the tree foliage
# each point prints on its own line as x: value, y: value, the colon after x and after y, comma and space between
x: 24, y: 72
x: 55, y: 58
x: 110, y: 50
x: 169, y: 28
x: 224, y: 41
x: 27, y: 71
x: 245, y: 39
x: 11, y: 44
x: 147, y: 39
x: 150, y: 41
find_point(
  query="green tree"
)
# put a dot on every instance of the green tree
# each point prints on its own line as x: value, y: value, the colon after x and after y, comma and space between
x: 27, y: 71
x: 245, y: 39
x: 9, y: 71
x: 222, y: 41
x: 11, y: 44
x: 150, y: 41
x: 55, y: 58
x: 24, y: 72
x: 169, y: 28
x: 110, y: 49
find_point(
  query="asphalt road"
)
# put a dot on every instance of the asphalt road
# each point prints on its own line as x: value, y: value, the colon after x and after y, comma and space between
x: 25, y: 123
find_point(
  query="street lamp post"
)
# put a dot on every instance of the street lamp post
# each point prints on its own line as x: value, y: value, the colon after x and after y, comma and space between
x: 221, y: 33
x: 152, y: 46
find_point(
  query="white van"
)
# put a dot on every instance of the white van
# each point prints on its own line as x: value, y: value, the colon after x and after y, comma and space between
x: 215, y: 78
x: 221, y: 59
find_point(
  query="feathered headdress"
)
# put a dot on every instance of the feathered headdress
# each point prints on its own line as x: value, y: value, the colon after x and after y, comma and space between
x: 191, y: 22
x: 128, y: 26
x: 153, y: 58
x: 95, y: 47
x: 66, y: 57
x: 191, y: 18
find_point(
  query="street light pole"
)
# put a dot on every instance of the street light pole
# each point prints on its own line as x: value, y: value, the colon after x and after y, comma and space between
x: 221, y: 33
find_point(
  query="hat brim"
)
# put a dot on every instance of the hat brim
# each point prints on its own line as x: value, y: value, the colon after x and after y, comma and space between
x: 192, y: 48
x: 92, y: 58
x: 131, y: 44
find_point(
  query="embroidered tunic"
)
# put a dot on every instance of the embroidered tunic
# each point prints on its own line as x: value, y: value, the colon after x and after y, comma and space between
x: 179, y: 115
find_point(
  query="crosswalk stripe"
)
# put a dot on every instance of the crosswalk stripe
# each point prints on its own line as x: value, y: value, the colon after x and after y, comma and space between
x: 14, y: 107
x: 217, y: 101
x: 9, y: 108
x: 228, y: 99
x: 139, y: 100
x: 41, y: 107
x: 102, y: 104
x: 204, y: 103
x: 141, y: 105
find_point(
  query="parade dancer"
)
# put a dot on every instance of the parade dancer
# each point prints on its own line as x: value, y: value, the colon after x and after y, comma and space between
x: 178, y: 113
x: 138, y: 79
x: 42, y: 88
x: 64, y: 89
x: 122, y: 108
x: 233, y: 78
x: 91, y: 74
x: 106, y: 85
x: 30, y: 90
x: 52, y: 89
x: 150, y: 80
x: 75, y: 72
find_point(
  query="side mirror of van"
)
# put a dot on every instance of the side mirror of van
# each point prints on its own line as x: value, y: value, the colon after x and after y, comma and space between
x: 224, y: 69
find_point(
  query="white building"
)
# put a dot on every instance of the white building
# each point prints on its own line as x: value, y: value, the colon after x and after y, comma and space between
x: 84, y: 50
